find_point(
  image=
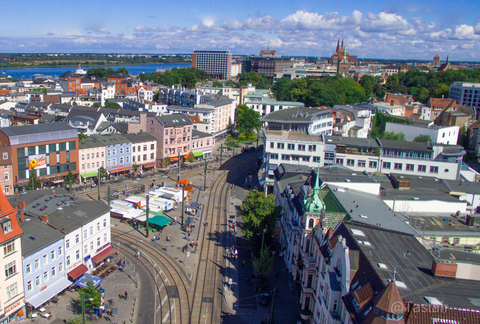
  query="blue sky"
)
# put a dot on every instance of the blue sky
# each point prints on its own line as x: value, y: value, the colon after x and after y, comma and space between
x: 372, y: 29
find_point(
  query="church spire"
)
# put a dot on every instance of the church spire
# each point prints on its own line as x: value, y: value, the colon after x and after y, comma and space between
x: 342, y: 44
x: 317, y: 181
x: 447, y: 59
x: 268, y: 46
x: 344, y: 49
x: 338, y: 45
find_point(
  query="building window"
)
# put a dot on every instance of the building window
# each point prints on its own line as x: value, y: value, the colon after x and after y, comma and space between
x: 60, y: 267
x: 312, y: 148
x: 68, y: 260
x: 274, y: 156
x: 152, y: 146
x: 12, y: 291
x: 144, y: 157
x: 350, y: 162
x: 272, y: 145
x: 361, y: 163
x: 91, y: 246
x: 280, y: 146
x: 37, y: 281
x: 295, y: 158
x: 433, y: 169
x: 386, y: 165
x: 108, y: 152
x: 45, y: 259
x: 316, y: 159
x: 6, y: 176
x: 410, y: 167
x: 91, y: 230
x: 422, y: 168
x: 29, y: 285
x: 105, y: 222
x: 339, y: 161
x: 52, y: 255
x: 77, y: 238
x: 98, y: 241
x: 10, y: 269
x: 45, y: 276
x: 291, y: 147
x: 372, y: 164
x: 398, y: 166
x: 301, y: 147
x: 285, y: 157
x: 59, y: 251
x: 77, y: 254
x: 9, y: 248
x: 121, y: 150
x: 85, y: 233
x: 104, y: 237
x: 7, y: 228
x: 37, y: 264
x: 53, y: 271
x: 28, y: 268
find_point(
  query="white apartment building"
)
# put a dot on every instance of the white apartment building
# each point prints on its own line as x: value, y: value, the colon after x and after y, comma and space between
x: 144, y: 149
x: 390, y: 108
x: 438, y: 134
x: 358, y: 125
x: 266, y: 106
x: 304, y: 120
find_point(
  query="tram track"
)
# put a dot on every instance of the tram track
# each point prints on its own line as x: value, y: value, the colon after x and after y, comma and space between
x: 159, y: 266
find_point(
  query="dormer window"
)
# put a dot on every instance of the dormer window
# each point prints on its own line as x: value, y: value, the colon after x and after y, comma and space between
x: 6, y: 225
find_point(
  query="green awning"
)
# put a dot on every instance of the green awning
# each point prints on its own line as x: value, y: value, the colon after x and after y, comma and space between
x: 197, y: 154
x: 159, y: 221
x: 89, y: 175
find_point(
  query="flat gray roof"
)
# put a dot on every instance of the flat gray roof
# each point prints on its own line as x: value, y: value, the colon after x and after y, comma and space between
x: 139, y: 137
x: 110, y: 139
x: 295, y: 115
x: 37, y: 235
x: 19, y: 135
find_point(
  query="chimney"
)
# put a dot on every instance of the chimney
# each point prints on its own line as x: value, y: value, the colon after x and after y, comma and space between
x: 21, y: 204
x: 444, y: 268
x: 22, y: 217
x: 44, y: 218
x: 392, y: 102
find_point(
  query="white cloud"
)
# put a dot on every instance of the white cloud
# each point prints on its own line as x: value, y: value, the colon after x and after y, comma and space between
x: 465, y: 32
x: 384, y: 22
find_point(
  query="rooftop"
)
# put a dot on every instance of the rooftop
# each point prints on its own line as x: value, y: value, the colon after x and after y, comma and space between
x: 37, y: 235
x: 174, y: 120
x: 140, y: 137
x: 111, y: 139
x: 295, y: 115
x: 27, y: 134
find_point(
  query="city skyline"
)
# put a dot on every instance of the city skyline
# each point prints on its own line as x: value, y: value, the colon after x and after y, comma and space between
x: 388, y: 30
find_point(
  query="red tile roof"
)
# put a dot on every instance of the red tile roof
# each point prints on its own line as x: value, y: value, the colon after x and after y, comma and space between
x: 6, y: 210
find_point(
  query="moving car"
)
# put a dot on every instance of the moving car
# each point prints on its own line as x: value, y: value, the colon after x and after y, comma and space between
x: 264, y: 299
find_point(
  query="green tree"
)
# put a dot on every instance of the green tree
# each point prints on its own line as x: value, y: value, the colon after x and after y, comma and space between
x: 123, y: 71
x: 103, y: 173
x: 258, y: 213
x: 69, y: 178
x: 282, y: 89
x: 247, y: 120
x: 392, y: 136
x: 82, y: 137
x: 217, y: 84
x: 368, y: 83
x: 97, y: 104
x: 441, y: 90
x: 112, y: 105
x: 33, y: 181
x: 463, y: 139
x: 423, y: 138
x: 264, y: 262
x: 92, y: 297
x: 189, y: 80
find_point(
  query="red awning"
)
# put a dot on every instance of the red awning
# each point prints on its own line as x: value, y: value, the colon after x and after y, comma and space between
x: 78, y: 272
x: 103, y: 255
x: 149, y: 165
x: 119, y: 169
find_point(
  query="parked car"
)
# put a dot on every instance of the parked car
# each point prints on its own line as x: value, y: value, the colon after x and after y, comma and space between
x: 264, y: 299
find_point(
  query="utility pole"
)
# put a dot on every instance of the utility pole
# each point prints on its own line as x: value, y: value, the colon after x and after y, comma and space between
x: 205, y: 177
x: 272, y: 310
x: 98, y: 177
x: 178, y: 174
x: 148, y: 210
x: 70, y: 186
x: 221, y: 152
x: 83, y: 307
x: 183, y: 201
x: 108, y: 195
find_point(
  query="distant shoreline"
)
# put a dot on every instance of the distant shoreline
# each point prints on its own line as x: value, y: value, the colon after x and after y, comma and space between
x: 120, y: 64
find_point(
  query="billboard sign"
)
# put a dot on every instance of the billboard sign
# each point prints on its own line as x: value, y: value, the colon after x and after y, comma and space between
x: 38, y: 161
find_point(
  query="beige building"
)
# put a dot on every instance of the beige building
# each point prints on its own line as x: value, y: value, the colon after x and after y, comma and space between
x: 6, y: 173
x: 224, y: 114
x: 91, y: 156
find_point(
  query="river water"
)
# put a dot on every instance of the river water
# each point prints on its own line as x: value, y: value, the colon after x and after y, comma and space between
x: 28, y: 73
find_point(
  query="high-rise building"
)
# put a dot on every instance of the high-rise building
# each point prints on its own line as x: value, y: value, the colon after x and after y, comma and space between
x: 215, y: 63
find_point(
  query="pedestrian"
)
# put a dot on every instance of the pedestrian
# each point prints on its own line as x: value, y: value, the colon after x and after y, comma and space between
x: 196, y: 243
x: 126, y: 295
x: 183, y: 250
x: 243, y: 263
x: 175, y: 220
x: 236, y: 253
x: 193, y: 243
x: 122, y: 294
x: 166, y: 244
x: 169, y: 237
x: 124, y: 263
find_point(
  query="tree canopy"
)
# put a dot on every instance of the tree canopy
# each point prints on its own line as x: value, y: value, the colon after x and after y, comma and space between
x: 327, y: 91
x: 186, y: 77
x: 422, y: 138
x: 259, y: 213
x: 103, y: 72
x: 91, y: 295
x: 247, y: 120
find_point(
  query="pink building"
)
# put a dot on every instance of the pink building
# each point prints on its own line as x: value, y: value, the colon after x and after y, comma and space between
x: 175, y: 135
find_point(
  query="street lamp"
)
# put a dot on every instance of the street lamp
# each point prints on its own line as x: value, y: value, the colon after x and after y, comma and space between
x: 83, y: 306
x: 137, y: 255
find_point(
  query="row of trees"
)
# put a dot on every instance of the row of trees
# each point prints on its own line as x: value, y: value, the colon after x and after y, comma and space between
x: 186, y: 77
x: 103, y: 72
x: 313, y: 92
